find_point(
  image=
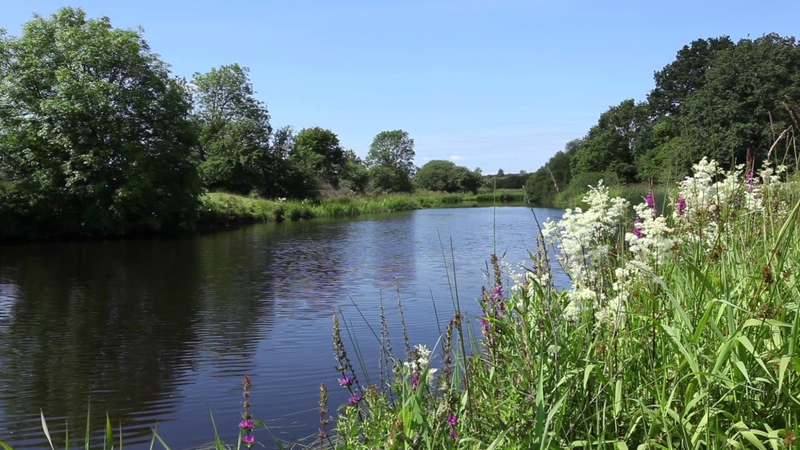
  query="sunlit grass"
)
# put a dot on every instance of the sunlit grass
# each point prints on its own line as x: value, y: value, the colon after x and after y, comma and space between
x: 220, y: 209
x: 681, y: 338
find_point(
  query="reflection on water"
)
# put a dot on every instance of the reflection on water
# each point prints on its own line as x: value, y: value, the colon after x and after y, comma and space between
x: 159, y: 331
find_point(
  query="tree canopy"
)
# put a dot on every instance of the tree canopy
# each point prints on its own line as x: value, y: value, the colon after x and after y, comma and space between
x: 234, y: 133
x: 717, y: 99
x: 391, y: 161
x: 95, y: 134
x: 442, y: 175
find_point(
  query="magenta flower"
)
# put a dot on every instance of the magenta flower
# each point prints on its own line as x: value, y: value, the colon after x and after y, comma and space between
x: 651, y: 203
x: 346, y: 382
x: 681, y: 204
x: 637, y: 227
x: 248, y: 439
x: 247, y: 425
x: 354, y: 400
x: 452, y: 420
x: 454, y: 435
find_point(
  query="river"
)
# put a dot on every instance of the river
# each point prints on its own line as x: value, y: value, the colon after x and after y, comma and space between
x: 157, y: 332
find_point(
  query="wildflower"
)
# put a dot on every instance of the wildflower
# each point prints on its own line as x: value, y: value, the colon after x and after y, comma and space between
x: 681, y: 205
x: 651, y: 202
x: 454, y: 435
x: 323, y: 413
x: 346, y: 382
x: 637, y: 228
x: 353, y: 400
x: 247, y: 425
x: 452, y: 420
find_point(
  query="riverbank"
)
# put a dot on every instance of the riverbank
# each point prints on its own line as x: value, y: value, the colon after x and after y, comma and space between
x: 680, y: 330
x: 220, y: 210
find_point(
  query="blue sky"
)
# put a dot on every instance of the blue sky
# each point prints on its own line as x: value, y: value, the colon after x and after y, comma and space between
x: 489, y: 84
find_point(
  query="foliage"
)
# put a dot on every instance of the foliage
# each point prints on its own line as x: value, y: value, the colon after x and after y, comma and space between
x: 678, y: 330
x: 355, y: 176
x: 613, y: 144
x: 506, y: 181
x: 545, y: 184
x: 442, y: 175
x: 234, y: 150
x: 94, y: 133
x: 318, y: 155
x: 391, y: 161
x: 718, y: 99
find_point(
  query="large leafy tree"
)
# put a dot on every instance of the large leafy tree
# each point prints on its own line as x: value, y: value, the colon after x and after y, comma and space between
x: 612, y: 145
x: 391, y: 161
x: 95, y: 134
x: 741, y: 105
x: 442, y: 175
x: 319, y: 149
x: 235, y: 153
x: 678, y: 80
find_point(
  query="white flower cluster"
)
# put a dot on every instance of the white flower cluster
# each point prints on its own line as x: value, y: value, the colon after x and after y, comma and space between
x: 702, y: 196
x: 422, y: 361
x: 651, y: 238
x: 582, y: 239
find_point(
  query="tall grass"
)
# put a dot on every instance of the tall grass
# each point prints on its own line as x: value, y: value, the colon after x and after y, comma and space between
x: 679, y: 331
x: 221, y: 209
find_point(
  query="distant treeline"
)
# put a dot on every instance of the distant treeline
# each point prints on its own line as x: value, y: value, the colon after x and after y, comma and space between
x: 718, y: 99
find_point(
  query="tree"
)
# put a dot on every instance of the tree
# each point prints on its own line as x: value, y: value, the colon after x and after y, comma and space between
x: 678, y: 80
x: 741, y: 105
x: 442, y: 175
x: 355, y: 176
x: 320, y: 155
x: 234, y: 152
x: 391, y: 161
x: 614, y: 142
x: 95, y: 134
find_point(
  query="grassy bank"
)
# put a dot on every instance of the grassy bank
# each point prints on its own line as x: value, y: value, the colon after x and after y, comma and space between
x: 222, y: 209
x: 679, y: 331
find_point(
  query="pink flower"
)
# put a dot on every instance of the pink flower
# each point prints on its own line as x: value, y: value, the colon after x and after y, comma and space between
x: 247, y: 425
x: 248, y: 439
x: 681, y: 203
x: 346, y: 382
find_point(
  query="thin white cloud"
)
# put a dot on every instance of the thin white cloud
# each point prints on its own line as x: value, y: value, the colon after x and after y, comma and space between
x: 456, y: 158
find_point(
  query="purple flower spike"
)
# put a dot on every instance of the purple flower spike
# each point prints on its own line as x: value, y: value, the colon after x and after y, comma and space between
x: 346, y: 382
x: 650, y: 201
x: 637, y: 230
x: 681, y: 204
x: 452, y: 420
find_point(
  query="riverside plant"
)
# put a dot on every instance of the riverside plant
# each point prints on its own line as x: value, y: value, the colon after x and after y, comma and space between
x: 246, y: 427
x: 679, y: 330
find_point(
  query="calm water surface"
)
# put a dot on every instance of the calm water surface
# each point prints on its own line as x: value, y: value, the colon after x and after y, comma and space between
x: 158, y: 331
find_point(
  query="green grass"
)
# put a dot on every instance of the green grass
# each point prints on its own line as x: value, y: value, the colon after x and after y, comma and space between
x: 220, y: 209
x: 686, y: 338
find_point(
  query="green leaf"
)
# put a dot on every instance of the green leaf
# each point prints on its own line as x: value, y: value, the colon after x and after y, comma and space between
x: 676, y: 340
x: 782, y: 365
x: 46, y: 430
